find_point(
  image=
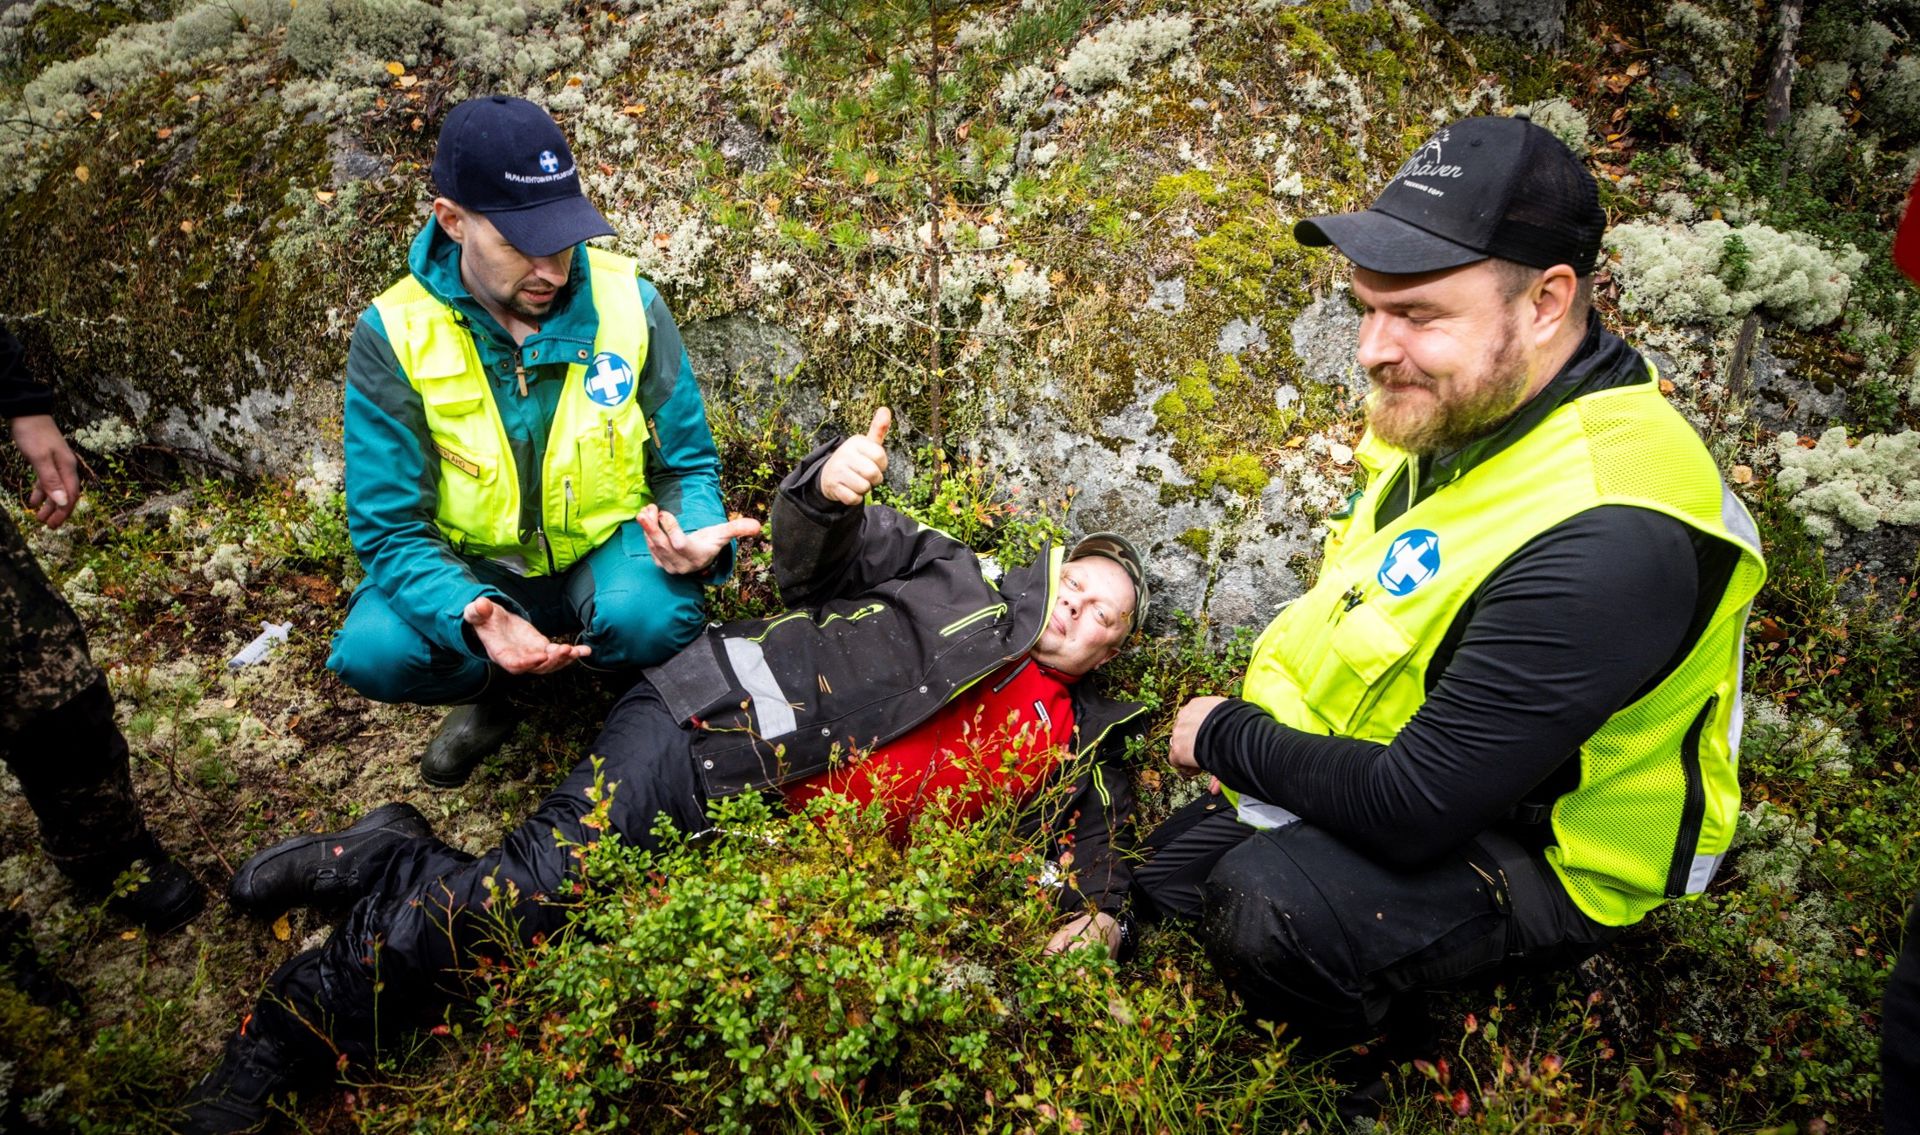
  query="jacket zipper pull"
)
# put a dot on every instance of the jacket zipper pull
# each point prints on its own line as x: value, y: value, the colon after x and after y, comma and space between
x: 519, y: 372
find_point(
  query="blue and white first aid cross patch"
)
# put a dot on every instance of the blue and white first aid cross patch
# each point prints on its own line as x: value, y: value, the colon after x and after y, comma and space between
x: 1411, y: 560
x: 609, y: 379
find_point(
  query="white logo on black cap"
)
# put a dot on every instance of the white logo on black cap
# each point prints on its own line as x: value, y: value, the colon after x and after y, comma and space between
x: 1429, y: 161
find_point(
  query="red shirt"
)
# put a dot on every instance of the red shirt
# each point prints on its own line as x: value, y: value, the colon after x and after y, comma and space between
x: 1005, y: 734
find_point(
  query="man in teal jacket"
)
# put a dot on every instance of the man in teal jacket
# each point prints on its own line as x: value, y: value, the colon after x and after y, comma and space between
x: 527, y: 453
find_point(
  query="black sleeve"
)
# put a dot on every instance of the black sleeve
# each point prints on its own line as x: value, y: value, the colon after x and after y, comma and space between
x: 1103, y: 836
x: 823, y: 549
x: 21, y: 395
x: 1093, y: 832
x: 1579, y: 622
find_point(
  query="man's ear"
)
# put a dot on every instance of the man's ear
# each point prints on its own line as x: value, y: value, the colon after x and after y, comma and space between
x: 1552, y: 297
x: 452, y: 220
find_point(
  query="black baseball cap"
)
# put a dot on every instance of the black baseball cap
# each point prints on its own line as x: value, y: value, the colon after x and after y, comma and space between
x: 1480, y: 188
x: 1119, y: 549
x: 506, y: 159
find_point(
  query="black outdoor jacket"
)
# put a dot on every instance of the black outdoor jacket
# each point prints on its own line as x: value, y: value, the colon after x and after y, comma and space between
x: 889, y: 621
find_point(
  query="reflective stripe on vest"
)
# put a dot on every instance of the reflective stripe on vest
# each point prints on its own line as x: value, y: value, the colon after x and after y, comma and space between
x: 594, y: 477
x: 1657, y: 799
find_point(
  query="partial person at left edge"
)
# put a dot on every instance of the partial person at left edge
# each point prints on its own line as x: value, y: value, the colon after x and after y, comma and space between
x: 527, y: 452
x: 57, y: 730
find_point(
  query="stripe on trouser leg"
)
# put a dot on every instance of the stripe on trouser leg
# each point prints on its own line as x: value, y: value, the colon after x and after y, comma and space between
x: 1260, y: 814
x: 1702, y: 873
x: 770, y: 706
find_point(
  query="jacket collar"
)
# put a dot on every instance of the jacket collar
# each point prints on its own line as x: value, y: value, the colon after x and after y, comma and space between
x: 572, y: 325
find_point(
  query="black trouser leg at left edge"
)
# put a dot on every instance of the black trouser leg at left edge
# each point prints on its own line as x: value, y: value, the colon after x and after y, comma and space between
x: 394, y: 965
x: 72, y: 764
x: 1900, y: 1036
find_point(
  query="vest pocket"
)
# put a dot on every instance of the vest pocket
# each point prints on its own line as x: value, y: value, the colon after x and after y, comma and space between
x: 1367, y: 649
x: 612, y: 462
x: 460, y: 431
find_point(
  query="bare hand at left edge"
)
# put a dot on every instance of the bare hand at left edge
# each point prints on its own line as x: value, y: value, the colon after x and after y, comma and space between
x: 56, y: 471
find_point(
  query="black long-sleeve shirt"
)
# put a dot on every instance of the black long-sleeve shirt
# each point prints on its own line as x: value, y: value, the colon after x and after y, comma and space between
x: 1578, y: 623
x: 21, y: 395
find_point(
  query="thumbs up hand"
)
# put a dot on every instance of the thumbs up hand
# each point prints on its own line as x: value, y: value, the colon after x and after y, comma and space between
x: 859, y: 464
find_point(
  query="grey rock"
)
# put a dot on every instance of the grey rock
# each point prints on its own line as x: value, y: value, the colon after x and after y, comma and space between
x: 1117, y: 472
x: 1325, y: 336
x: 1240, y: 336
x: 1169, y: 296
x: 1536, y: 23
x: 744, y: 146
x: 1779, y: 398
x: 352, y: 161
x: 751, y: 363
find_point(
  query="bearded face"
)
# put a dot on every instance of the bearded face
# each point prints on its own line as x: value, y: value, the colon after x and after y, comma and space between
x: 1447, y: 355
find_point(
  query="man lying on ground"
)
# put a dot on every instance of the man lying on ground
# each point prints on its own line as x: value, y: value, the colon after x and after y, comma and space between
x: 898, y: 645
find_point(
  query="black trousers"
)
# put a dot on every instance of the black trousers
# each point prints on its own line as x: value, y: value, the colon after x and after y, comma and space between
x: 1309, y: 932
x: 1900, y: 1036
x: 397, y: 962
x: 72, y: 764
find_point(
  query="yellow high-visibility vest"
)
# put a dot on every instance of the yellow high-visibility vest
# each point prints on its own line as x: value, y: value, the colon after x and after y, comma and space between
x: 594, y: 477
x: 1658, y: 797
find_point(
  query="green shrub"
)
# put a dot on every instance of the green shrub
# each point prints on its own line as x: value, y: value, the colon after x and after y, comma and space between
x: 803, y: 973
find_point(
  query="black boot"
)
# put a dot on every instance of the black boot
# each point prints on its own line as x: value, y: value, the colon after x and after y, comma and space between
x: 159, y: 894
x: 235, y: 1096
x: 330, y: 867
x: 470, y: 734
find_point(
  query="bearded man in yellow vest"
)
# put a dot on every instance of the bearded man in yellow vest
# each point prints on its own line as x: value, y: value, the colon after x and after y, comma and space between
x: 527, y: 453
x: 1503, y: 723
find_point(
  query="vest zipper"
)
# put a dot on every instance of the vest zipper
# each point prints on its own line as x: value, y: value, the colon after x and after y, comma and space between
x: 1693, y: 807
x: 1349, y: 599
x: 540, y: 534
x: 566, y: 507
x: 611, y: 455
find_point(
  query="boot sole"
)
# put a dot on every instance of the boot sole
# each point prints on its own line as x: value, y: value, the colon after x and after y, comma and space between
x: 399, y: 817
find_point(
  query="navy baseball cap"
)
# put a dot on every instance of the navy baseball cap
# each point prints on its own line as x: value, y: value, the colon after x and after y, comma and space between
x: 1480, y: 188
x: 506, y: 159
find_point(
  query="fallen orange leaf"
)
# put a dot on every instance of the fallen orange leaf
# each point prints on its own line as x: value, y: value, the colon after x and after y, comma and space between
x: 82, y: 173
x: 396, y: 68
x: 282, y: 929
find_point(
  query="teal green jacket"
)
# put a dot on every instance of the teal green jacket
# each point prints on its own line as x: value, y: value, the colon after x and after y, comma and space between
x: 391, y: 467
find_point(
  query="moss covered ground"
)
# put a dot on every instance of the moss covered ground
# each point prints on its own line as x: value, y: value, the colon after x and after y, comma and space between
x: 197, y: 202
